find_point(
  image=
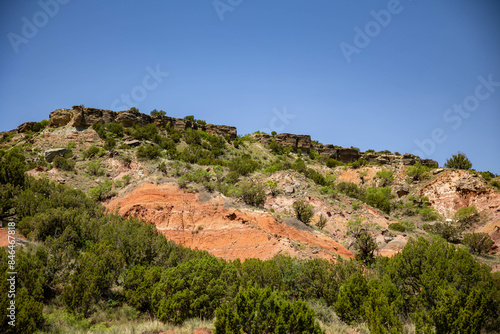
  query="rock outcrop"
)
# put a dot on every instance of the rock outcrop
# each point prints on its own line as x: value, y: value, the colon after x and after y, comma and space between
x: 81, y: 117
x: 52, y: 153
x: 296, y: 142
x: 28, y: 126
x: 345, y: 155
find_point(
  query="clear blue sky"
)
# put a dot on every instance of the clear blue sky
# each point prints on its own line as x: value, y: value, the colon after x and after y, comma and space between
x: 251, y: 63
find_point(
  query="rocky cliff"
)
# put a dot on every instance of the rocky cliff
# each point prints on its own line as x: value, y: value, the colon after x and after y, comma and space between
x: 81, y: 117
x: 345, y: 155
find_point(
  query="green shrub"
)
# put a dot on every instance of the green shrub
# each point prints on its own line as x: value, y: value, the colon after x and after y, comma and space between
x: 91, y: 151
x: 487, y: 175
x: 126, y: 178
x: 495, y: 184
x: 102, y: 192
x: 147, y: 132
x: 458, y: 161
x: 397, y: 227
x: 252, y: 193
x: 94, y: 168
x: 115, y: 128
x: 478, y: 243
x: 429, y: 214
x: 299, y: 165
x: 358, y: 163
x: 381, y: 307
x: 466, y: 216
x: 275, y: 147
x: 148, y: 152
x: 109, y: 143
x: 303, y: 211
x: 191, y: 289
x: 315, y: 176
x: 232, y: 177
x: 191, y: 137
x: 138, y: 286
x: 63, y: 163
x: 352, y: 294
x: 95, y: 274
x: 443, y: 289
x: 100, y: 129
x: 332, y: 163
x: 379, y: 198
x: 350, y: 189
x: 262, y: 311
x: 244, y: 165
x: 39, y: 126
x: 386, y: 177
x: 237, y: 142
x: 446, y: 230
x: 418, y: 171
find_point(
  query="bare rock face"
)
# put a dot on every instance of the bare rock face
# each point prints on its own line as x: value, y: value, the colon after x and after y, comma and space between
x: 327, y: 151
x: 52, y: 153
x: 85, y: 117
x: 297, y: 142
x: 347, y: 155
x: 128, y: 118
x: 28, y: 126
x: 60, y: 117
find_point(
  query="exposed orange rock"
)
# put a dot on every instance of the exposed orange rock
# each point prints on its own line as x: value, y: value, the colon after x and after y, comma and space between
x: 209, y: 223
x: 455, y: 189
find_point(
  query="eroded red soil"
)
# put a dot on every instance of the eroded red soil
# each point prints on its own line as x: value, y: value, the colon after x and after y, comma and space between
x: 213, y: 224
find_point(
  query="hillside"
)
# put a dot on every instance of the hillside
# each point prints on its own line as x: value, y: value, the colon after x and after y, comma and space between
x: 236, y: 197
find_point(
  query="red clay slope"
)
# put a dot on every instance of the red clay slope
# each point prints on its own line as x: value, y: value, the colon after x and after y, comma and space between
x: 210, y: 224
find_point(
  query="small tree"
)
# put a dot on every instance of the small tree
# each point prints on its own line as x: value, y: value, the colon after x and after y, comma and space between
x: 365, y: 246
x: 156, y: 113
x: 478, y: 242
x: 321, y: 222
x: 458, y: 161
x: 303, y: 211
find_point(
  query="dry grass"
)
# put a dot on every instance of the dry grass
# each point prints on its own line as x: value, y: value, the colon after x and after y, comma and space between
x: 122, y: 320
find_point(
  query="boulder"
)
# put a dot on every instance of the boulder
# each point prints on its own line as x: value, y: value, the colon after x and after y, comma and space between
x: 50, y: 154
x: 133, y: 142
x: 60, y: 117
x: 28, y: 126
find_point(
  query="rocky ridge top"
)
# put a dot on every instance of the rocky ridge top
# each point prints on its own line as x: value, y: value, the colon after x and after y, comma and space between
x: 82, y: 117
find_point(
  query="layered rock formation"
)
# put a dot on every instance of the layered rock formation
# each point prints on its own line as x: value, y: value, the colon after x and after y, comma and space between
x: 345, y: 155
x: 81, y: 117
x: 208, y: 223
x: 297, y: 142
